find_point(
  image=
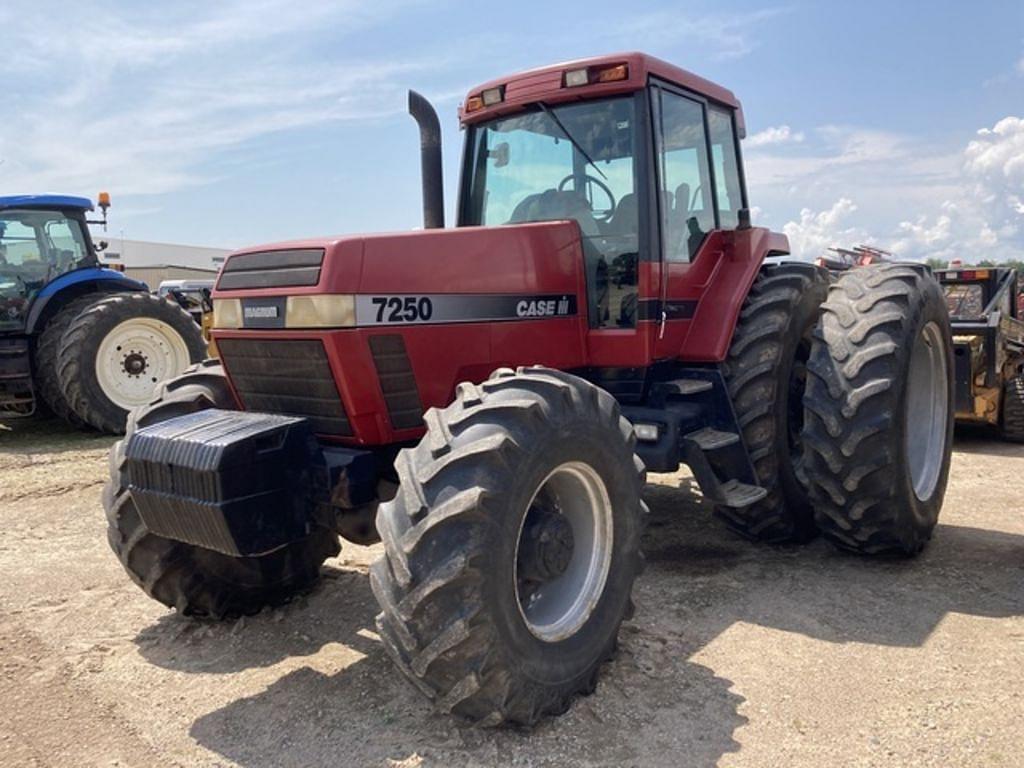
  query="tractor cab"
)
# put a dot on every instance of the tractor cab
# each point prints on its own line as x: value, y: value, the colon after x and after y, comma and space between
x: 41, y: 238
x: 642, y: 156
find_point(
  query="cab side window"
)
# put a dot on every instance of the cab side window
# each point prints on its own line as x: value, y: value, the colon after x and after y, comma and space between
x: 687, y: 207
x: 727, y: 174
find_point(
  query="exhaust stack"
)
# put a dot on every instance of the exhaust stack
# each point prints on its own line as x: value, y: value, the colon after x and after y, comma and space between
x: 430, y: 160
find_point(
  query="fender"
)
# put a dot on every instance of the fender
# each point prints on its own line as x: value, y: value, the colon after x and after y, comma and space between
x: 728, y: 285
x: 77, y: 283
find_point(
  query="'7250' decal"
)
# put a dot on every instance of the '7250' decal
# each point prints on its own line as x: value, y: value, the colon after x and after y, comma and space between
x: 403, y: 309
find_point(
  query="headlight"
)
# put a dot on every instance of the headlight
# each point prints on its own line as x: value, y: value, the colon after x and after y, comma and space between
x: 325, y: 311
x: 321, y: 311
x: 227, y: 313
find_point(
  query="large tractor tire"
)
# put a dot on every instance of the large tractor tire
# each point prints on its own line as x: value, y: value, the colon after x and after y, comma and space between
x: 511, y: 547
x: 116, y: 352
x: 45, y: 358
x: 1011, y: 425
x: 766, y: 373
x: 196, y: 581
x: 879, y: 423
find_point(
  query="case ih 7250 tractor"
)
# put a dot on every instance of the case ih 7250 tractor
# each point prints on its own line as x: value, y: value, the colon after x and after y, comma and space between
x: 603, y: 242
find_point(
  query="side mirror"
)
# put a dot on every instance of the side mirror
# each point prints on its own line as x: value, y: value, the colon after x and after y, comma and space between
x: 500, y: 155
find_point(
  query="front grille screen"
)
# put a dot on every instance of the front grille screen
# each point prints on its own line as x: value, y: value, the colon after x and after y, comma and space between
x: 286, y: 376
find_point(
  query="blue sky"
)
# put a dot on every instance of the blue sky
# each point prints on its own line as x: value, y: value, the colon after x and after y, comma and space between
x: 237, y: 122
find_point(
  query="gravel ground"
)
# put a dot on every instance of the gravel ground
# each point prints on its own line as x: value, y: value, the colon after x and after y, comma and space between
x: 738, y: 655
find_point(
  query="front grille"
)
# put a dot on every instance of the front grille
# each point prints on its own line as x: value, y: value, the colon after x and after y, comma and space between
x: 287, y: 376
x: 397, y: 381
x: 272, y: 269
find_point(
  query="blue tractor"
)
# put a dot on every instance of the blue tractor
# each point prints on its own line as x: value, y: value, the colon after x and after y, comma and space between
x: 76, y: 338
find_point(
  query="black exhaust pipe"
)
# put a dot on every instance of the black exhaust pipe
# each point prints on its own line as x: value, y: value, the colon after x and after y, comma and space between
x: 430, y: 160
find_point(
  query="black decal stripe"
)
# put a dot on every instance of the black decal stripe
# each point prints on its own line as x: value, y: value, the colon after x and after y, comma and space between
x: 461, y: 308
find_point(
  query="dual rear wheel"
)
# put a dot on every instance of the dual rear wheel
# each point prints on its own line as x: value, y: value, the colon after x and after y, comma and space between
x: 843, y: 391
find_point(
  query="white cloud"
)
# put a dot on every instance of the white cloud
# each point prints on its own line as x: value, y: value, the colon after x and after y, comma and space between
x: 146, y: 100
x: 782, y: 134
x: 817, y: 231
x: 986, y: 218
x: 918, y: 199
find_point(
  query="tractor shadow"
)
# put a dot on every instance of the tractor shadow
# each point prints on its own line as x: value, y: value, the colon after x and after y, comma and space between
x: 340, y: 609
x: 346, y: 704
x: 715, y: 579
x: 984, y: 441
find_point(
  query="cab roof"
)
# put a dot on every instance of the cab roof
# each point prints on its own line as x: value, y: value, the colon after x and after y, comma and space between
x: 46, y: 201
x: 547, y: 84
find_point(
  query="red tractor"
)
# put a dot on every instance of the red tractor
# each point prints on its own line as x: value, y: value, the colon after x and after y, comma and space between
x: 489, y: 397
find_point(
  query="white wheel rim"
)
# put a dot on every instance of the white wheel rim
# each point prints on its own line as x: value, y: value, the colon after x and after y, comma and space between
x: 135, y: 357
x: 562, y: 605
x: 927, y: 411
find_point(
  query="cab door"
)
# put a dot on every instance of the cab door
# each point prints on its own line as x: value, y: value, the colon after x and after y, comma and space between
x: 700, y: 195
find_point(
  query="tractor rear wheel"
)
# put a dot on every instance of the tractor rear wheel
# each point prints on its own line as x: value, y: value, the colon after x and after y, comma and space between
x: 47, y: 350
x: 766, y: 373
x: 197, y: 581
x: 115, y: 354
x: 879, y: 421
x: 512, y: 546
x: 1011, y: 424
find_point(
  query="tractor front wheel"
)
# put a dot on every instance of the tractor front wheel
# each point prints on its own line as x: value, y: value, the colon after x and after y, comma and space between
x: 115, y: 354
x: 197, y: 581
x: 511, y: 547
x: 879, y: 410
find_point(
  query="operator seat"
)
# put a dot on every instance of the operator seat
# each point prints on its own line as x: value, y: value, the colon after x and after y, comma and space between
x: 624, y: 220
x: 676, y: 225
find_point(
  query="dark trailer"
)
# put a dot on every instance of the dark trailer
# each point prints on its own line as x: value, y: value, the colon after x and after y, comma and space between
x: 988, y: 347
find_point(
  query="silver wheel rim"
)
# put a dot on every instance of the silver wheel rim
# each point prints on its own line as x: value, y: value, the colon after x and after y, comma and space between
x: 560, y: 606
x: 135, y: 357
x: 927, y: 410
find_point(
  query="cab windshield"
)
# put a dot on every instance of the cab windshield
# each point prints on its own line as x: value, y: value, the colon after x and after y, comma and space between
x: 35, y: 247
x: 575, y: 162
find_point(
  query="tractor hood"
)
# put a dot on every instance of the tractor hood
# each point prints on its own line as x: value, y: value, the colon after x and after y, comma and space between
x: 466, y: 274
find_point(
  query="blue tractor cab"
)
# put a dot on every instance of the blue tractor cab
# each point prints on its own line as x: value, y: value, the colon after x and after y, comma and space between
x: 49, y: 265
x: 46, y: 250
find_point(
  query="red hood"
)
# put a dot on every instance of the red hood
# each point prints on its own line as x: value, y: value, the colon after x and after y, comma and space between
x: 539, y: 257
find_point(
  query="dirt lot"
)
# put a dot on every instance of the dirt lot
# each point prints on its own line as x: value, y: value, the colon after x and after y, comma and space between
x: 738, y: 655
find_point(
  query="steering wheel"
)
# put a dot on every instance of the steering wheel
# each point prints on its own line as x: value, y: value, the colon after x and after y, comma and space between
x: 606, y: 213
x: 696, y: 194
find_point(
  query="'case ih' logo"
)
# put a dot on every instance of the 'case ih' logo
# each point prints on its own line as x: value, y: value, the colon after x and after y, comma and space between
x: 543, y: 307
